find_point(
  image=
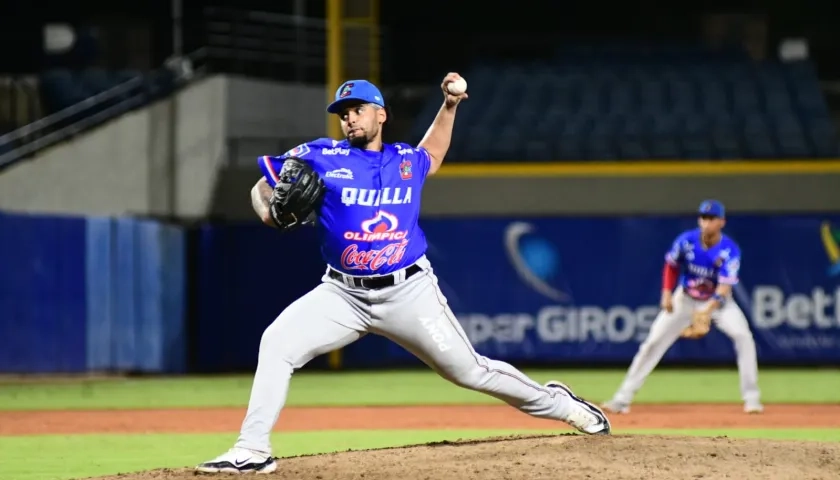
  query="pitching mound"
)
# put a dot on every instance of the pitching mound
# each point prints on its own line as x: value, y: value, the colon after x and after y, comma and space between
x: 569, y: 457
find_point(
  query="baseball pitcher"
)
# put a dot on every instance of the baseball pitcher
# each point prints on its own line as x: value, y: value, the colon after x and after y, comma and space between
x: 363, y: 197
x: 705, y: 263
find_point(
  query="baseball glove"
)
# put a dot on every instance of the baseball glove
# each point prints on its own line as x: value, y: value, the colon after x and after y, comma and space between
x: 297, y: 196
x: 701, y: 321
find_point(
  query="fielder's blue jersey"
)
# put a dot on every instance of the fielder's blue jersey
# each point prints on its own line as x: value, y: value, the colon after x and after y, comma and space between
x: 367, y: 224
x: 701, y: 269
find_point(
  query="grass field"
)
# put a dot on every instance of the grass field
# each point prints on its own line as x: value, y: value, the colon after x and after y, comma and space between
x: 41, y: 455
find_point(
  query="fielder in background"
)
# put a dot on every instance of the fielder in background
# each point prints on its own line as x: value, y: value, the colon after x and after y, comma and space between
x: 363, y: 197
x: 705, y: 263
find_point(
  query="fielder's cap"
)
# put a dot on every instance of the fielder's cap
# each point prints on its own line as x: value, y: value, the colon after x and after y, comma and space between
x: 712, y: 208
x: 356, y: 90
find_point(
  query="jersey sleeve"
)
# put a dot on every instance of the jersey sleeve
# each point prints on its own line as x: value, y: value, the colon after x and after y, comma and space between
x: 674, y: 256
x: 270, y: 165
x: 730, y: 269
x: 421, y: 161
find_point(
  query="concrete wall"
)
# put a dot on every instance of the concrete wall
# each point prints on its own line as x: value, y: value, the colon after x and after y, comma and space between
x: 260, y: 109
x: 200, y: 149
x: 106, y: 171
x: 448, y: 196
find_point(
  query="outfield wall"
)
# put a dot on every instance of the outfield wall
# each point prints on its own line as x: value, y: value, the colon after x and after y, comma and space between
x: 101, y: 294
x: 91, y: 294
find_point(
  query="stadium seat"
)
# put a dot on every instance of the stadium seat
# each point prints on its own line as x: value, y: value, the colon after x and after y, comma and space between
x: 665, y: 148
x: 760, y: 145
x: 726, y: 146
x: 823, y: 134
x: 61, y: 89
x: 635, y: 101
x: 793, y: 145
x: 95, y: 80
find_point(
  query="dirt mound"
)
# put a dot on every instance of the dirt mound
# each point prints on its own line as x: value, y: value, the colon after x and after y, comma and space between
x: 569, y: 457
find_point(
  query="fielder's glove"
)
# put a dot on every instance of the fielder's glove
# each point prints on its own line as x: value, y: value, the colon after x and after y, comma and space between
x: 701, y: 321
x: 297, y: 195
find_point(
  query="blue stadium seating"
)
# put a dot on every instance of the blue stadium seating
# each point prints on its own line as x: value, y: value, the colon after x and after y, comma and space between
x: 61, y: 88
x: 637, y: 102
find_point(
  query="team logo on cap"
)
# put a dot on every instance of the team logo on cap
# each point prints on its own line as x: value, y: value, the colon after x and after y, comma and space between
x: 705, y: 207
x: 346, y: 90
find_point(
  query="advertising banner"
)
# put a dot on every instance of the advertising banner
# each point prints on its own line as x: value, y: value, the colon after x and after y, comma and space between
x: 548, y: 290
x: 91, y: 294
x: 587, y: 289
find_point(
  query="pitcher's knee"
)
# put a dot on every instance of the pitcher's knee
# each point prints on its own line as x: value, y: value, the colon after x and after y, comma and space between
x: 270, y: 337
x: 472, y: 378
x: 743, y: 341
x: 647, y: 346
x: 275, y: 346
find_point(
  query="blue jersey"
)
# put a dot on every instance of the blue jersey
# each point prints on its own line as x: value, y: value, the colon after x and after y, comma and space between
x: 701, y: 269
x: 367, y: 224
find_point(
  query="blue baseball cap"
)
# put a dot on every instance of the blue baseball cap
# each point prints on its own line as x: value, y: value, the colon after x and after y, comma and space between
x: 712, y: 207
x: 356, y: 90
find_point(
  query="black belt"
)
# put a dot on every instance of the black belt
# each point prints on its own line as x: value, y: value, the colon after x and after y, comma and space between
x: 374, y: 283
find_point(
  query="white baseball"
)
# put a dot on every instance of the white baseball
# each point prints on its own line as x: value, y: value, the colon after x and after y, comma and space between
x: 457, y: 87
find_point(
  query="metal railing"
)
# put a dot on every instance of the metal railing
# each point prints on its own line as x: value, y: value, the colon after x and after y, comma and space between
x: 70, y: 121
x: 252, y: 43
x: 265, y: 44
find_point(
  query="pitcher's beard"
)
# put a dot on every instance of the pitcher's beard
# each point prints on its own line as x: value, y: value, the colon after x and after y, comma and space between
x: 358, y: 142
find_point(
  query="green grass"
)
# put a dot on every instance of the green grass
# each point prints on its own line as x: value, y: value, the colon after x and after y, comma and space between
x: 65, y: 457
x: 411, y: 388
x: 69, y: 456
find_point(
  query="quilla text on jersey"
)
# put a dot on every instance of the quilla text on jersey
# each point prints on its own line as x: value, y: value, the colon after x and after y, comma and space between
x: 374, y: 198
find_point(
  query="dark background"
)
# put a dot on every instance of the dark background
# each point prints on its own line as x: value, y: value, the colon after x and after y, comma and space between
x: 419, y: 39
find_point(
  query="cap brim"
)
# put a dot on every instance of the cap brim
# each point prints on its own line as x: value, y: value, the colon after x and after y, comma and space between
x: 336, y: 106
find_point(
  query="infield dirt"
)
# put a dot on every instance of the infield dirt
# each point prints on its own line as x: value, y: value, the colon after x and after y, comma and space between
x: 563, y: 456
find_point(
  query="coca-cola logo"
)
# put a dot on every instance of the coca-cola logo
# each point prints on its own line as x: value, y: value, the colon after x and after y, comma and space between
x: 371, y: 260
